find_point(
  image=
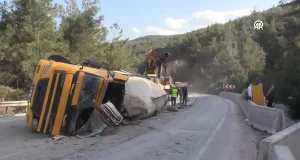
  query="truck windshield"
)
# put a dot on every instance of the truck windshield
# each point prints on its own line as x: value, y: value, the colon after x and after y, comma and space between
x: 88, y: 91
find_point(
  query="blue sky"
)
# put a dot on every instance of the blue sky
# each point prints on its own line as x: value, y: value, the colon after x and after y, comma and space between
x: 166, y: 17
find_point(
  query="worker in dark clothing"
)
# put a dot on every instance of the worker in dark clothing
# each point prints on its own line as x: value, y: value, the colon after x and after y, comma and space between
x: 181, y: 95
x: 174, y: 95
x: 270, y: 101
x: 185, y: 95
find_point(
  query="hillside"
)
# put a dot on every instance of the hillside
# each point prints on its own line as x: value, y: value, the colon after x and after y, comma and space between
x: 148, y: 38
x: 231, y: 53
x: 237, y: 54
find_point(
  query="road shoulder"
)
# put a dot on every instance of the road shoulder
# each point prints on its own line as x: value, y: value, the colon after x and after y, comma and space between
x: 242, y: 140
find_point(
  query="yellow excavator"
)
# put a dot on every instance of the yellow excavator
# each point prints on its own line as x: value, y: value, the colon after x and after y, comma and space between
x: 156, y: 60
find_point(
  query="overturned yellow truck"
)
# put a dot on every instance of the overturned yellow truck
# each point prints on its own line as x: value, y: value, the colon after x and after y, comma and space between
x: 63, y: 95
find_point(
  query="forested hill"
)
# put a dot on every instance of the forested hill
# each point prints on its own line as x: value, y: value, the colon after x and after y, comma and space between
x: 149, y: 38
x: 232, y: 53
x: 237, y: 54
x: 207, y: 51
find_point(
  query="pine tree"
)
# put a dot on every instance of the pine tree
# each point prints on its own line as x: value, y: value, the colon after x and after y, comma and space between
x: 83, y: 31
x: 30, y: 35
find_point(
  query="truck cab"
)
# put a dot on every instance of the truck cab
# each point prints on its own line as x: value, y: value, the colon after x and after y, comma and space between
x: 63, y: 95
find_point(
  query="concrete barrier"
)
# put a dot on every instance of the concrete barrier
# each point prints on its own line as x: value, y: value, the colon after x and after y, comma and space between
x: 143, y: 97
x: 285, y: 143
x: 282, y: 153
x: 267, y: 119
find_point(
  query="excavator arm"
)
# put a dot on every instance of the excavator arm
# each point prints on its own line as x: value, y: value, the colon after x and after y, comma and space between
x: 156, y: 61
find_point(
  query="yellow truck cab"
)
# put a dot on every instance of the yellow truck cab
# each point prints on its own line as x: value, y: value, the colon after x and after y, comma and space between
x: 63, y: 95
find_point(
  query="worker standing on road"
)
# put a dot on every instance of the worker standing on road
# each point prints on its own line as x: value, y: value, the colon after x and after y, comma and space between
x: 181, y: 95
x: 250, y: 92
x: 174, y: 95
x: 185, y: 95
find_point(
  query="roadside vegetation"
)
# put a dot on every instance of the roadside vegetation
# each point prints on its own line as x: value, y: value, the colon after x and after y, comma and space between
x: 232, y: 53
x: 29, y: 31
x: 235, y: 53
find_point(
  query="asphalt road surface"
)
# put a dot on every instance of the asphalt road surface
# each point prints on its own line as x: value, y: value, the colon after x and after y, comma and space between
x: 211, y: 129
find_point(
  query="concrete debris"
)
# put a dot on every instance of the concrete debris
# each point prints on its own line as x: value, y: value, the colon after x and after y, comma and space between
x: 125, y: 122
x: 172, y: 109
x: 130, y: 122
x: 181, y: 106
x: 58, y: 137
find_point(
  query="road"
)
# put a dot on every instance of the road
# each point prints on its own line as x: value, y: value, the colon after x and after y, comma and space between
x: 211, y: 129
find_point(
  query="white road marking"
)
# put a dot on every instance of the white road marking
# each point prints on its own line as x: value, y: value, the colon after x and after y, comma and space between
x: 191, y: 101
x: 187, y: 131
x: 210, y: 139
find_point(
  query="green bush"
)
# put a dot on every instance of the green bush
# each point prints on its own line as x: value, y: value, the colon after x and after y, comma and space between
x: 10, y: 94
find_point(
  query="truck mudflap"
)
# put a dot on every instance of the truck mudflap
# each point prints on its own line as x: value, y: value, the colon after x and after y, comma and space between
x: 109, y: 114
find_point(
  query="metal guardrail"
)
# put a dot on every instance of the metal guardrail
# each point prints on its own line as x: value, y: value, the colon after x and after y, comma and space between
x: 13, y: 104
x: 8, y: 104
